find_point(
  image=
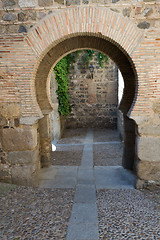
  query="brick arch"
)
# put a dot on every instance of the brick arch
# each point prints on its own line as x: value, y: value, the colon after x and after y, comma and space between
x: 70, y: 29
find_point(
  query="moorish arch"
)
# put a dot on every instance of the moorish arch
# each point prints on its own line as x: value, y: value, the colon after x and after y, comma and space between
x: 62, y: 32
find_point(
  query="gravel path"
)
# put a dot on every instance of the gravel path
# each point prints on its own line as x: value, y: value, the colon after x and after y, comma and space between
x: 105, y: 135
x: 72, y: 136
x: 128, y: 214
x: 67, y: 155
x: 32, y: 213
x: 108, y: 154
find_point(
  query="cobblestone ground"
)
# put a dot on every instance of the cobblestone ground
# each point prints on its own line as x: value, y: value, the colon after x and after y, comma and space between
x: 32, y: 213
x: 128, y: 214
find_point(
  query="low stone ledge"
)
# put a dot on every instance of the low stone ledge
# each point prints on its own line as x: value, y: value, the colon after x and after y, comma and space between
x: 25, y: 175
x: 148, y: 149
x: 148, y: 171
x: 23, y: 157
x: 19, y: 139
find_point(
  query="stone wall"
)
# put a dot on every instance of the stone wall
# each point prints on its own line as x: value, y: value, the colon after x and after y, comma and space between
x: 94, y: 100
x: 18, y: 16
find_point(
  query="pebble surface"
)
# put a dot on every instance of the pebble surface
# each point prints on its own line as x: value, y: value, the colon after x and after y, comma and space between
x: 67, y: 155
x: 108, y: 154
x: 32, y: 213
x: 128, y: 214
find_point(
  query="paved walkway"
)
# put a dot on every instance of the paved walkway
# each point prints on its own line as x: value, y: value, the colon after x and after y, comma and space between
x: 86, y: 179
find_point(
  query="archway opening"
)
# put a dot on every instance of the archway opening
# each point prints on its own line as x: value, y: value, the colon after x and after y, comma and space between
x: 123, y: 62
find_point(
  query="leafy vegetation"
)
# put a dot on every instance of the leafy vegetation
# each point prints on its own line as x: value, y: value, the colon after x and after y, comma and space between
x: 62, y: 70
x: 102, y: 59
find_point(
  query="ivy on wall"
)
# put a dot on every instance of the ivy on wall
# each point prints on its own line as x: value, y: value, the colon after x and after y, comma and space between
x: 62, y: 70
x: 61, y: 75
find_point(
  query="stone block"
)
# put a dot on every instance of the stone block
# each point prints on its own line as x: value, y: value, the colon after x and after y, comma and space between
x: 148, y: 171
x: 147, y: 12
x: 72, y: 2
x: 25, y: 175
x: 23, y: 157
x: 22, y: 29
x: 45, y: 160
x: 126, y: 12
x: 22, y: 17
x: 9, y: 3
x: 138, y: 10
x: 152, y: 129
x: 5, y: 175
x: 9, y: 110
x: 45, y: 3
x: 33, y: 16
x: 148, y: 149
x: 9, y: 17
x: 3, y: 121
x: 44, y: 127
x: 85, y: 1
x: 143, y: 25
x: 28, y: 3
x: 45, y: 144
x: 19, y: 139
x: 59, y: 1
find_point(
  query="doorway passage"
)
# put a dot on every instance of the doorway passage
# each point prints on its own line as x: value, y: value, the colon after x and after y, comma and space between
x: 86, y: 160
x: 87, y: 156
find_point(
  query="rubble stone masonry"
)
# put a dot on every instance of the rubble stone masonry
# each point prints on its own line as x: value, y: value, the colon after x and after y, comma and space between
x: 94, y: 100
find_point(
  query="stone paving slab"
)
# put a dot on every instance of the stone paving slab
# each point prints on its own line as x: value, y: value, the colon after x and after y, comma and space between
x: 87, y: 156
x: 114, y: 177
x: 53, y: 171
x: 82, y: 231
x: 84, y: 213
x: 58, y: 177
x: 85, y: 194
x: 85, y: 176
x: 58, y: 182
